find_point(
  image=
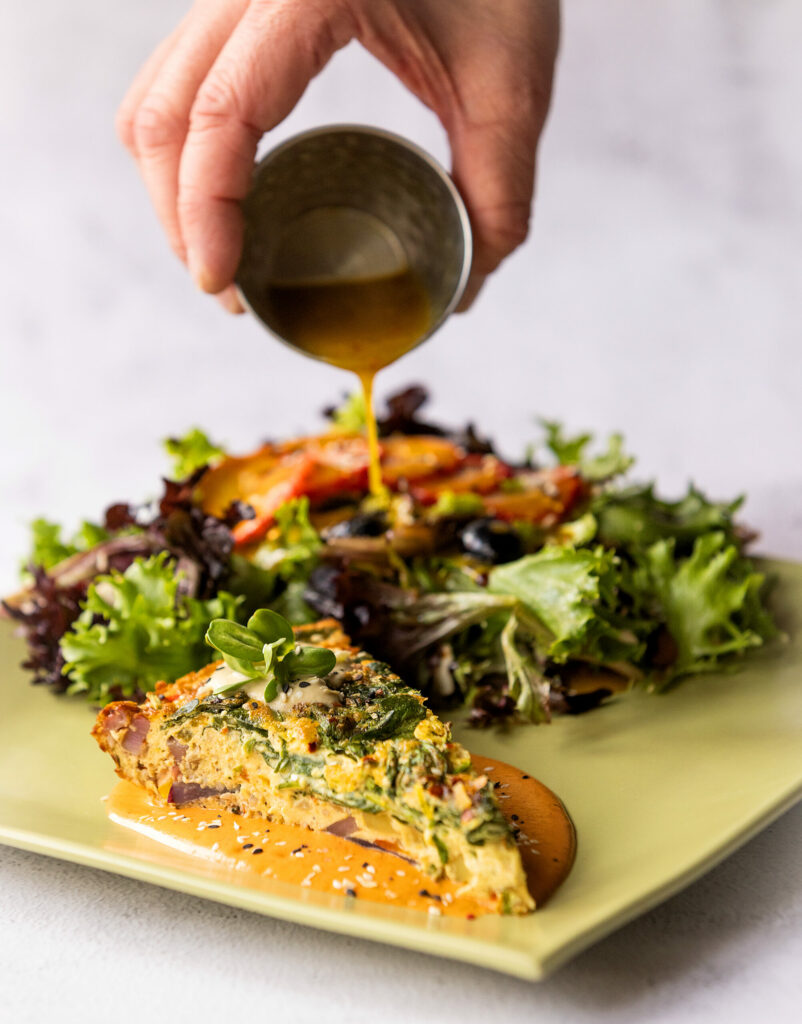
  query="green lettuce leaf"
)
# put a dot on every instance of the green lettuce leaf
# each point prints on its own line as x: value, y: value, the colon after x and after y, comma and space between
x: 136, y: 628
x: 571, y: 451
x: 634, y: 518
x: 190, y: 452
x: 350, y: 416
x: 284, y: 561
x: 558, y: 604
x: 527, y: 685
x: 574, y: 594
x: 710, y: 601
x: 48, y: 548
x: 450, y: 504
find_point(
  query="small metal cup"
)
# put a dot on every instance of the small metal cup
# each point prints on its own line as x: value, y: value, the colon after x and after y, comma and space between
x: 348, y: 203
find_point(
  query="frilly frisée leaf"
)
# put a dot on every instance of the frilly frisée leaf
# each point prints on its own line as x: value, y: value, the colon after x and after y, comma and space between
x: 135, y: 629
x: 190, y: 452
x: 710, y: 601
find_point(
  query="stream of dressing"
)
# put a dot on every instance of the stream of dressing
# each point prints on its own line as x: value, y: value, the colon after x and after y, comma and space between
x: 257, y: 852
x: 361, y: 325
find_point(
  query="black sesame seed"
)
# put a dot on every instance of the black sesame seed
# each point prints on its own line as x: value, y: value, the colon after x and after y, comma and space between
x: 247, y: 846
x: 515, y: 817
x: 304, y: 684
x: 258, y: 850
x: 213, y: 826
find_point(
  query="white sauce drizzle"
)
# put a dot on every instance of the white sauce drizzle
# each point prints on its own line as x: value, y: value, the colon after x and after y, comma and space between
x: 307, y: 691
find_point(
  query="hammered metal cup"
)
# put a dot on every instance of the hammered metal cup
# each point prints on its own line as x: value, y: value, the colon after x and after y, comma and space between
x: 349, y: 202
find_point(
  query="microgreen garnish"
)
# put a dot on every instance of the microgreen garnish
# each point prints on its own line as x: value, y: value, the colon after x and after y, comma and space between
x: 266, y: 649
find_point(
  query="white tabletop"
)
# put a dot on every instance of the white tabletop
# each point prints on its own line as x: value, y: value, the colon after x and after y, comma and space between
x: 659, y: 294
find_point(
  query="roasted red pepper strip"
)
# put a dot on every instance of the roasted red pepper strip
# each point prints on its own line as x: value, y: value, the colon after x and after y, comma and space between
x: 295, y: 474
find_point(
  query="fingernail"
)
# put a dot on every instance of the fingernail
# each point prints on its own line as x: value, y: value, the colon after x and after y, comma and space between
x: 198, y: 272
x: 230, y: 300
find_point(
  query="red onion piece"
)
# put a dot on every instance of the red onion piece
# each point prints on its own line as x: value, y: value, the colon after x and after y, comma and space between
x: 134, y: 739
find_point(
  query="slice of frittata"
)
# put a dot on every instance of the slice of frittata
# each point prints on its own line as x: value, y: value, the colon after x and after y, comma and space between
x: 357, y: 753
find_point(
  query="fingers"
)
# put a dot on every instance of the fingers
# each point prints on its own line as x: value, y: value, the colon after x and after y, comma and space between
x: 124, y: 121
x: 494, y: 168
x: 493, y: 165
x: 257, y: 79
x: 486, y: 71
x: 161, y: 119
x: 230, y: 301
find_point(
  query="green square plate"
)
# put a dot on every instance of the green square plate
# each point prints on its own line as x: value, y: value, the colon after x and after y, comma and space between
x: 660, y: 790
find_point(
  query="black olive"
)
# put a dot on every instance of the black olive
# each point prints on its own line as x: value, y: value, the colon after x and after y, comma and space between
x: 491, y: 540
x: 363, y: 524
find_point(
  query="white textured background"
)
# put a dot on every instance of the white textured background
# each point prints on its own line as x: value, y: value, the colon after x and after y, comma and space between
x: 660, y: 294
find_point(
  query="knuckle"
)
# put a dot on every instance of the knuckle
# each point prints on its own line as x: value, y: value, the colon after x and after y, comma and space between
x: 155, y: 124
x: 124, y: 127
x: 504, y: 227
x: 216, y: 101
x: 189, y: 204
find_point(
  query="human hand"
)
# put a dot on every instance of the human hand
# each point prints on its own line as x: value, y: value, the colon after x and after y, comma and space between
x: 234, y: 69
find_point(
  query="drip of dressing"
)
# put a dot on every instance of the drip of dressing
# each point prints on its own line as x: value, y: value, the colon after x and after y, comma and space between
x: 361, y: 325
x: 257, y: 853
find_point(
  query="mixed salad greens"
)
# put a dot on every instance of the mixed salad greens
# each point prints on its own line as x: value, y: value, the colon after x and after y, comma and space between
x: 519, y: 589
